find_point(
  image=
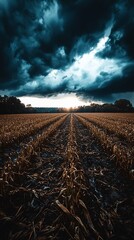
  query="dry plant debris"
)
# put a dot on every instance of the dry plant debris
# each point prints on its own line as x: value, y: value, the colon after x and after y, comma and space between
x: 67, y: 176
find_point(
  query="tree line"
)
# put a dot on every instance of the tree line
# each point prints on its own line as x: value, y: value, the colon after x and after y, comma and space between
x: 11, y: 105
x: 121, y: 105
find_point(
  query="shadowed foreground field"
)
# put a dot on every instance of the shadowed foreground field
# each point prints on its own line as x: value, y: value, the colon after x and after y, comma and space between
x: 67, y: 176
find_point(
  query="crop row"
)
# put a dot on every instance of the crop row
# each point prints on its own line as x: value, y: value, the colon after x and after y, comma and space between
x: 125, y: 119
x: 71, y: 203
x: 27, y: 153
x: 121, y: 117
x: 123, y: 153
x: 10, y: 123
x: 118, y: 129
x: 15, y: 133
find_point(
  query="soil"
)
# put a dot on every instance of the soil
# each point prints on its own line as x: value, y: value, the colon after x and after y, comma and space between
x: 28, y: 203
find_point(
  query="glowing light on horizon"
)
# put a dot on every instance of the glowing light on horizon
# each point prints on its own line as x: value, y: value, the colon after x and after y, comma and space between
x: 61, y: 101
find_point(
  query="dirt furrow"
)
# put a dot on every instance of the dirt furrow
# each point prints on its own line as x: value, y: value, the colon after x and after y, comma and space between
x: 110, y: 197
x: 12, y: 150
x: 69, y: 188
x: 27, y: 210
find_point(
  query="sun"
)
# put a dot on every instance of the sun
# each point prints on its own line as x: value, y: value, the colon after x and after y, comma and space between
x: 69, y: 102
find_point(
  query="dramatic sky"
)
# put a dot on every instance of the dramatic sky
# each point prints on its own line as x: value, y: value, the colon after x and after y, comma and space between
x: 67, y: 50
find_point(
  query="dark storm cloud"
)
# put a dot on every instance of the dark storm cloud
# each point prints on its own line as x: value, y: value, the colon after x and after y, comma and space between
x: 104, y: 89
x: 37, y: 37
x: 40, y: 90
x: 84, y: 18
x: 121, y: 39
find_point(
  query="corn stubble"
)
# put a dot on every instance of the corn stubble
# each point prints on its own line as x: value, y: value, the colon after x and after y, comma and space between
x: 75, y: 216
x: 116, y: 138
x: 26, y: 197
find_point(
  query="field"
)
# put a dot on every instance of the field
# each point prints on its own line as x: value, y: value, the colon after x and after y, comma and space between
x: 67, y: 176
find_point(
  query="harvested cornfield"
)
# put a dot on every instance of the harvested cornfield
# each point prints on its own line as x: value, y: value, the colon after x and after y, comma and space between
x: 67, y: 176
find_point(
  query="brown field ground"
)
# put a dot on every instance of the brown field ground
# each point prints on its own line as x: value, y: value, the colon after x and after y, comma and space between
x: 67, y: 176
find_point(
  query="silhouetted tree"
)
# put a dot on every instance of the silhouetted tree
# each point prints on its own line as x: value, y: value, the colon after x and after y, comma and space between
x: 121, y: 105
x: 10, y: 105
x: 124, y: 105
